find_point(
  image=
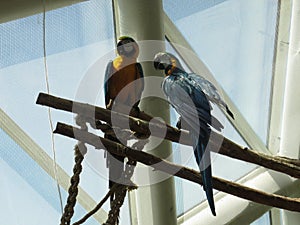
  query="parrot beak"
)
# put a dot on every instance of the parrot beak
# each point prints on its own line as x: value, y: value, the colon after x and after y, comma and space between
x: 161, y: 61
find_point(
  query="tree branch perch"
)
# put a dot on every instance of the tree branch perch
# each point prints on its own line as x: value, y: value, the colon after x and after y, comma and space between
x: 179, y: 171
x: 228, y: 148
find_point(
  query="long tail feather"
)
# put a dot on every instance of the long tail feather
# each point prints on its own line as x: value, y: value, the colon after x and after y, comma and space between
x: 207, y: 185
x: 204, y: 163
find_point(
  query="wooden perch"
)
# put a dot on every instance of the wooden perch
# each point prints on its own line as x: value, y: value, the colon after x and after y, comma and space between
x: 228, y: 148
x: 179, y: 171
x: 98, y: 113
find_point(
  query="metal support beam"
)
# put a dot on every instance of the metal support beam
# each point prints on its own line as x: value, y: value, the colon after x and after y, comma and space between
x: 279, y: 75
x: 154, y: 201
x: 232, y: 210
x: 290, y: 144
x: 275, y: 216
x: 14, y: 9
x: 291, y: 115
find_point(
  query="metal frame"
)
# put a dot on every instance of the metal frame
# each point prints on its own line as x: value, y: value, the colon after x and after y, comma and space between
x: 233, y: 210
x: 279, y: 75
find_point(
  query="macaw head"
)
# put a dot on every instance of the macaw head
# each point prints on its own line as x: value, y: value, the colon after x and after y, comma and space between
x: 127, y: 47
x: 167, y: 62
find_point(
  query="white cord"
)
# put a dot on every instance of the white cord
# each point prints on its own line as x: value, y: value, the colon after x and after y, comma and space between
x: 49, y: 110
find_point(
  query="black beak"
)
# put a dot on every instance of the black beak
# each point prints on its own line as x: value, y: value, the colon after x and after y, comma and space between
x: 161, y: 61
x: 157, y: 65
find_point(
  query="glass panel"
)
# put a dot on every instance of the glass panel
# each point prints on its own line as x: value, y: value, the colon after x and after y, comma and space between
x: 66, y: 29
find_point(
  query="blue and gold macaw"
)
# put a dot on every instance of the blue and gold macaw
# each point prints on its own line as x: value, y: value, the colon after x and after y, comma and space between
x: 120, y: 72
x: 190, y: 94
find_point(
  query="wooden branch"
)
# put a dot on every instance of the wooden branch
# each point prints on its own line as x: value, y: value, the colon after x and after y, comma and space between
x: 284, y: 165
x: 98, y: 113
x: 228, y: 148
x: 179, y: 171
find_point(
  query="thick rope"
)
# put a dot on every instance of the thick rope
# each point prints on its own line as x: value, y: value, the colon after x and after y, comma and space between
x: 80, y: 151
x: 98, y: 206
x: 113, y: 215
x: 120, y: 193
x: 118, y: 190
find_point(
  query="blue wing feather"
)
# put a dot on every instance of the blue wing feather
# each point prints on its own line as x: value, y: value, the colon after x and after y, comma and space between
x: 210, y: 91
x: 192, y: 104
x: 208, y: 88
x: 202, y: 156
x: 141, y: 75
x: 107, y: 75
x: 140, y: 70
x: 189, y: 101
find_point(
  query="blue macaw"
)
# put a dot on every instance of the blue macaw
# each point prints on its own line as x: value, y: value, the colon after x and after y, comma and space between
x: 190, y: 94
x: 120, y: 72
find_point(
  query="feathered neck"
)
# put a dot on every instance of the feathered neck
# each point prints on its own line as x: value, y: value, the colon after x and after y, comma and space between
x: 120, y: 61
x: 173, y: 70
x: 174, y: 67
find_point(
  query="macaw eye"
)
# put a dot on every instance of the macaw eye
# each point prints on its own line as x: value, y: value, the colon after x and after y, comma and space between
x: 126, y: 42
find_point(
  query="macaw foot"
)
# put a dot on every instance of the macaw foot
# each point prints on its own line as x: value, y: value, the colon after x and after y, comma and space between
x: 140, y: 135
x: 128, y: 183
x: 104, y: 127
x: 135, y: 111
x: 131, y: 186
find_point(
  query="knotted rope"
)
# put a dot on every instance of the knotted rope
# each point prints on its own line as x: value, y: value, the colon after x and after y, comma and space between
x: 80, y: 151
